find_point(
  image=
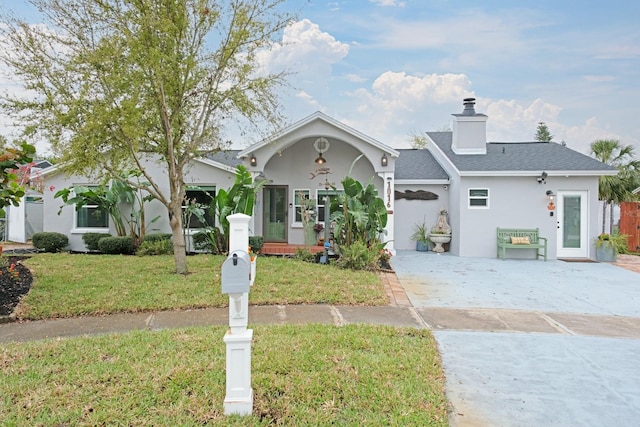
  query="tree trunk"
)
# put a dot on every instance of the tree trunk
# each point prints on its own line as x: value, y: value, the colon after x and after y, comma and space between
x: 179, y: 246
x: 611, y: 206
x: 604, y: 215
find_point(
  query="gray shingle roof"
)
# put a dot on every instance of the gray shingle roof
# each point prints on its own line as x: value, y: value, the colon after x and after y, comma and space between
x: 520, y: 156
x: 418, y: 164
x: 227, y: 157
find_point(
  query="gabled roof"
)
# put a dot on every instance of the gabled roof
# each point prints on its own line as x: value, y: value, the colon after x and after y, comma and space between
x: 521, y: 158
x: 227, y: 158
x: 418, y: 164
x: 329, y: 120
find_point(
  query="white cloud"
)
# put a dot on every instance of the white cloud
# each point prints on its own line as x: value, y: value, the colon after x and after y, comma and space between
x: 511, y: 121
x: 515, y: 122
x: 398, y: 104
x: 389, y: 3
x: 355, y: 78
x: 599, y: 79
x: 308, y: 100
x: 464, y: 39
x: 305, y: 49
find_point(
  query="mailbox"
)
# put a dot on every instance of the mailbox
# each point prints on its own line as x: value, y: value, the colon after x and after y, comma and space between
x: 236, y: 271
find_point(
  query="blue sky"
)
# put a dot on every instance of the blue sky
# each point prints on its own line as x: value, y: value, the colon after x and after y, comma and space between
x: 392, y: 68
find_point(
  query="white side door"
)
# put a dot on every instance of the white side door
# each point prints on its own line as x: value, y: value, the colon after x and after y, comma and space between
x: 572, y: 224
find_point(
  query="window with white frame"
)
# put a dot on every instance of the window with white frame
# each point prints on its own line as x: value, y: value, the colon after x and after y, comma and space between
x: 198, y: 198
x: 298, y: 196
x: 479, y: 198
x: 325, y: 199
x: 91, y: 215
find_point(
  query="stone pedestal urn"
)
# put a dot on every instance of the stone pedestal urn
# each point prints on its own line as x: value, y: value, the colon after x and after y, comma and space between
x: 441, y: 232
x: 439, y: 239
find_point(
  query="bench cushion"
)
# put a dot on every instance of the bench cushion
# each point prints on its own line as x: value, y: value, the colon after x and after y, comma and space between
x: 523, y: 240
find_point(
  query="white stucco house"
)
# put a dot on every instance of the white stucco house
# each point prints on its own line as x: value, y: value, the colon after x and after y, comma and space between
x: 483, y: 185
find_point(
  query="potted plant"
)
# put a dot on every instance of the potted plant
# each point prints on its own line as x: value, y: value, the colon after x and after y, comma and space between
x: 420, y: 236
x: 609, y: 246
x: 256, y: 243
x: 318, y: 228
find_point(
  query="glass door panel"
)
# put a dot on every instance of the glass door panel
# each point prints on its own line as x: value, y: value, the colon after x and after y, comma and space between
x: 571, y: 222
x: 275, y: 214
x: 572, y: 225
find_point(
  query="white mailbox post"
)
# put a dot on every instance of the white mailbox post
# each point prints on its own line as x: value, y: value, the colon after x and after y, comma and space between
x: 236, y: 279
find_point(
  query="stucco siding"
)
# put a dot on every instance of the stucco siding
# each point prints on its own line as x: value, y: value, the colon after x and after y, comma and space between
x: 515, y: 202
x: 408, y: 213
x: 294, y: 168
x: 197, y: 173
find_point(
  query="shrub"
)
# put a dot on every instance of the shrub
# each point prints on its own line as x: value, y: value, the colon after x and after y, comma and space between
x: 91, y: 240
x: 203, y: 241
x: 256, y: 243
x: 304, y: 254
x: 617, y: 241
x: 157, y: 237
x: 116, y: 245
x: 49, y: 241
x: 358, y: 256
x: 157, y: 247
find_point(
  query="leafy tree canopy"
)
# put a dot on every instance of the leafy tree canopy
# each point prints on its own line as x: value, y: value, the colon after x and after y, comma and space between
x: 542, y: 133
x: 617, y: 188
x: 11, y: 159
x: 118, y: 80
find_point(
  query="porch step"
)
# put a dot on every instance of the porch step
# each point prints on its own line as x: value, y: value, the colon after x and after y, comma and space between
x: 286, y: 249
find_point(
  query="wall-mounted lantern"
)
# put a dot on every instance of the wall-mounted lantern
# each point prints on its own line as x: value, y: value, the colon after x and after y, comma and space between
x: 321, y: 145
x: 551, y: 206
x: 253, y: 161
x: 384, y: 161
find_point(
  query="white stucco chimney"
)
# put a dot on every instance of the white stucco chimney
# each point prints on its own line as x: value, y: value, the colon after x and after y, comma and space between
x: 469, y: 130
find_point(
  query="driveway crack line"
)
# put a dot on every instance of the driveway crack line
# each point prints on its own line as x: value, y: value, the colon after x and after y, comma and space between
x: 555, y: 324
x: 416, y: 316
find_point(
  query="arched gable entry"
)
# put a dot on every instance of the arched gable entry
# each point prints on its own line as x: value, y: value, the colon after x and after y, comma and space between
x: 308, y: 161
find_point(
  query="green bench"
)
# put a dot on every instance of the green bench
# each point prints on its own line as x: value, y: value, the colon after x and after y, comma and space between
x: 521, y: 238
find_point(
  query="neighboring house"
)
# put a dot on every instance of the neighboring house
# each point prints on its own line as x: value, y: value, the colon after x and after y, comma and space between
x: 22, y: 221
x: 481, y: 185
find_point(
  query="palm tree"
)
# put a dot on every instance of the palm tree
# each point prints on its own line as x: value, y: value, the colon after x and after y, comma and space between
x: 618, y: 188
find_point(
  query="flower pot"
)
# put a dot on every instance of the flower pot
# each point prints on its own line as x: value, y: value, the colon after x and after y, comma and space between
x: 422, y: 246
x: 606, y: 253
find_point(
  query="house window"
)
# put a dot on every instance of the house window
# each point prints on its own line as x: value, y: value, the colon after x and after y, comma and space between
x: 478, y: 197
x: 325, y: 198
x: 92, y: 215
x: 298, y: 196
x: 200, y: 198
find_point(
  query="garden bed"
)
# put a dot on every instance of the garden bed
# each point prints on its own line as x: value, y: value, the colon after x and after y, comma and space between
x: 15, y: 282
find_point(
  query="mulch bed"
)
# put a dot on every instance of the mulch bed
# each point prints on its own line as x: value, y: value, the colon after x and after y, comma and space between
x: 15, y: 281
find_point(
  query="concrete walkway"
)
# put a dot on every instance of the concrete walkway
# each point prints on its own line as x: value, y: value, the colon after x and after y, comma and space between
x: 531, y: 343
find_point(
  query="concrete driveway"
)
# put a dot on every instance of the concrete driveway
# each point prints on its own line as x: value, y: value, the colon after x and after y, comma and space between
x: 531, y: 343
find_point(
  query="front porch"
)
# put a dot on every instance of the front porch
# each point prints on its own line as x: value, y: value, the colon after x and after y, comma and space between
x: 286, y: 249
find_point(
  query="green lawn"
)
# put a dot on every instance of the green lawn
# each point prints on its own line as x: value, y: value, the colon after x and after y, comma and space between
x: 67, y: 285
x: 315, y: 375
